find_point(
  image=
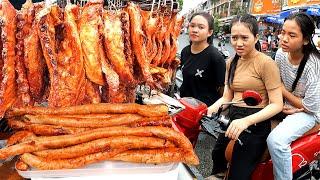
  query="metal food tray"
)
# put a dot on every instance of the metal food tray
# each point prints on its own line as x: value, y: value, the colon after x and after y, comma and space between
x: 101, y: 169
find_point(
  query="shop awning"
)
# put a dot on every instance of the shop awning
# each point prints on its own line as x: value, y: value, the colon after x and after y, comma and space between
x: 287, y: 13
x: 315, y: 11
x: 274, y: 19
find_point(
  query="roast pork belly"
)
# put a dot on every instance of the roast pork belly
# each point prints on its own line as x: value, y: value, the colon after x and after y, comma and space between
x: 89, y: 24
x: 33, y: 59
x: 8, y: 83
x: 62, y: 50
x: 138, y: 43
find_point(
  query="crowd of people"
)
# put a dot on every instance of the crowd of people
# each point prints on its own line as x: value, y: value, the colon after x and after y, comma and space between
x: 289, y: 86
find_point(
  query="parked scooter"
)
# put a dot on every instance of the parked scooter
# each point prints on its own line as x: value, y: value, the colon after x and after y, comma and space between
x: 305, y: 150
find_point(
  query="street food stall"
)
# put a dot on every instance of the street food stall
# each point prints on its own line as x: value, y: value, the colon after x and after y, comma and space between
x: 69, y: 77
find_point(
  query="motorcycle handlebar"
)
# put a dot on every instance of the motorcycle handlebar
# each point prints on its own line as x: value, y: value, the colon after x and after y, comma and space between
x: 222, y: 120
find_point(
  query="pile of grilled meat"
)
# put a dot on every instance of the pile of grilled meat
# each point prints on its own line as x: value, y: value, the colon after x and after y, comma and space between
x: 83, y: 55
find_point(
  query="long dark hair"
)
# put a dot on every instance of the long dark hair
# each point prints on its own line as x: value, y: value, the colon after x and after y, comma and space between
x: 307, y: 26
x: 251, y: 22
x: 210, y: 21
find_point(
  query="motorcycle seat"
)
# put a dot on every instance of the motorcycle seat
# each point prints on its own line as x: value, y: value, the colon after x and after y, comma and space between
x: 274, y: 123
x: 266, y: 155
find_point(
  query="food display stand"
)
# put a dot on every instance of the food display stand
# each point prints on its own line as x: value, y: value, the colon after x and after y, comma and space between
x: 68, y: 85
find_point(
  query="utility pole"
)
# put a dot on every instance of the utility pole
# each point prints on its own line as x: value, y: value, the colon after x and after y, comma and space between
x: 229, y: 8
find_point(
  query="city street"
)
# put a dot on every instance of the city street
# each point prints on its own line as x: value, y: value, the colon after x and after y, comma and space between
x: 205, y: 142
x: 184, y: 41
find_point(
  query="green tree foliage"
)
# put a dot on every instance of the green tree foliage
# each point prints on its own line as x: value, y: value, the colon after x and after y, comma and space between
x: 214, y: 1
x: 216, y: 24
x: 180, y: 3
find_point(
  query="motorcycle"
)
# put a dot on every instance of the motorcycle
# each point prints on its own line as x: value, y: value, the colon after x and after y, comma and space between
x: 305, y: 150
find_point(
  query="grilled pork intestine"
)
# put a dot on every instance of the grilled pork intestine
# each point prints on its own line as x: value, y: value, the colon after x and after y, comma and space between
x: 8, y: 28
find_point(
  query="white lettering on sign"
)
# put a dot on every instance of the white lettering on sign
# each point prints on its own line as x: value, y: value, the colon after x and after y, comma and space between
x: 303, y: 162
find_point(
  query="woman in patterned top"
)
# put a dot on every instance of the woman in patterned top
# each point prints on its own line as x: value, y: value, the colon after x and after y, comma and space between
x: 299, y: 64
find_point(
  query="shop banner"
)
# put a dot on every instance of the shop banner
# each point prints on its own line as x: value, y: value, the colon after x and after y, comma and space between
x: 299, y: 3
x: 264, y: 7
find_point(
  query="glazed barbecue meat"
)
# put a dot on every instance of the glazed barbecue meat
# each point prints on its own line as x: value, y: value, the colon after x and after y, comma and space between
x: 62, y: 49
x: 90, y: 41
x: 71, y: 58
x: 165, y: 30
x: 92, y: 93
x: 33, y: 57
x: 174, y: 39
x: 159, y: 39
x: 118, y: 67
x: 8, y: 28
x: 23, y: 90
x: 114, y: 45
x: 150, y: 27
x: 112, y: 91
x: 23, y: 93
x: 138, y: 42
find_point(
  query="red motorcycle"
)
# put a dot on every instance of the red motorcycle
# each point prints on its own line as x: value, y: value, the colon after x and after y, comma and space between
x: 305, y: 150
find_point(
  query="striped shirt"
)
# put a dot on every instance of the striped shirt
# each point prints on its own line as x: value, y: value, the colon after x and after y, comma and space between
x: 308, y: 86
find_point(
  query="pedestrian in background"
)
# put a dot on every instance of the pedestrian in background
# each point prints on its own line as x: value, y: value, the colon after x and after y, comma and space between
x: 299, y: 64
x: 203, y: 67
x: 249, y: 69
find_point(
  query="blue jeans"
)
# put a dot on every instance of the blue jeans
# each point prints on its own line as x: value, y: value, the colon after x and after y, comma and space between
x: 280, y: 138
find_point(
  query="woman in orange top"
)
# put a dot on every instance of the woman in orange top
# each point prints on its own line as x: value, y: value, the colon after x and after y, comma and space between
x: 249, y: 69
